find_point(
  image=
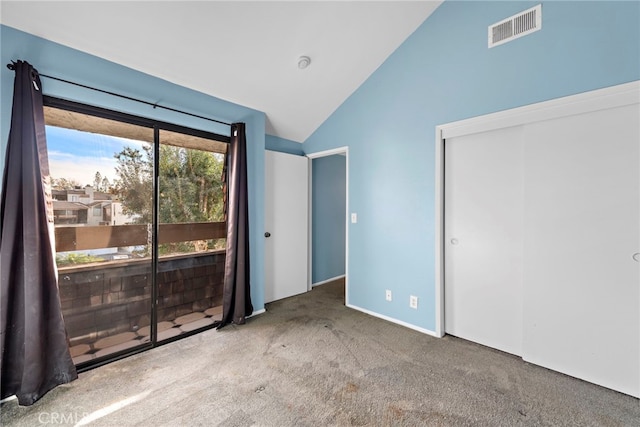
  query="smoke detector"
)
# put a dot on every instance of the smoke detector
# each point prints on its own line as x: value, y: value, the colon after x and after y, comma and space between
x: 303, y: 62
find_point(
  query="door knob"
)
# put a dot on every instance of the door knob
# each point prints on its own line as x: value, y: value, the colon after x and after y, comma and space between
x: 636, y: 256
x: 454, y: 241
x: 267, y: 234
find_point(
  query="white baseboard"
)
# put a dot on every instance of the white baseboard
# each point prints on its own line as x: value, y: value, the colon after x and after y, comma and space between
x: 256, y: 312
x: 396, y: 321
x: 313, y: 285
x: 8, y: 399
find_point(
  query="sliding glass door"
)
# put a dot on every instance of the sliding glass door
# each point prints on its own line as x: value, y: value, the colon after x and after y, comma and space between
x: 139, y: 264
x: 191, y: 233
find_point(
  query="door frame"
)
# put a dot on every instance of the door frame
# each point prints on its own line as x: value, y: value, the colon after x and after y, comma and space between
x: 335, y: 151
x: 596, y: 100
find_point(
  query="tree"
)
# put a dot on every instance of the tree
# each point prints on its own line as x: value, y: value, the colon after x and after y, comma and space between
x: 190, y: 184
x: 64, y: 184
x: 134, y: 184
x: 97, y: 180
x: 101, y: 183
x: 106, y: 185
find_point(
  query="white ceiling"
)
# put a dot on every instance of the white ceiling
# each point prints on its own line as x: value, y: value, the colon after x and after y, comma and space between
x: 346, y: 41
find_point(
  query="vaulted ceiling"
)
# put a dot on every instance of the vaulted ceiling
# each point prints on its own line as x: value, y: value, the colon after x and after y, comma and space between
x: 240, y: 51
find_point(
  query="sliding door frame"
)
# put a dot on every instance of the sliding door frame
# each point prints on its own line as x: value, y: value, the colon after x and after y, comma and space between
x: 157, y: 126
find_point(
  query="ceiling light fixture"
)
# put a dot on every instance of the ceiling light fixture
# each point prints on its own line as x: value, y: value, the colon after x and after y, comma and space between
x: 303, y: 62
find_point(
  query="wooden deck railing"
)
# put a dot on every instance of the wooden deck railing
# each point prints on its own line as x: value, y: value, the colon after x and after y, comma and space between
x: 81, y: 238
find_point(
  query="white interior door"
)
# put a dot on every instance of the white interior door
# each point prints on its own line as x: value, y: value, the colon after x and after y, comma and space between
x: 582, y: 229
x: 286, y: 225
x: 483, y: 238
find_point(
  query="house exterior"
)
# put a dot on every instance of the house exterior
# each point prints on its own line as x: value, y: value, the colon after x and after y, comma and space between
x: 85, y: 206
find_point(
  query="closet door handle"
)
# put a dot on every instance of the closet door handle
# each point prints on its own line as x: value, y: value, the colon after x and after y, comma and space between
x: 454, y: 241
x: 636, y: 256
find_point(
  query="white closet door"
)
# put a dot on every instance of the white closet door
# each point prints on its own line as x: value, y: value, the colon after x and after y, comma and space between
x: 483, y: 238
x: 286, y: 225
x: 582, y: 228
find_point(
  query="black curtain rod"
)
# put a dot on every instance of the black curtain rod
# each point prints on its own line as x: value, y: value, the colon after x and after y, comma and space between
x: 11, y: 67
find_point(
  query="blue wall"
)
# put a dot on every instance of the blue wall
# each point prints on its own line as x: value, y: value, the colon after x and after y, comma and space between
x: 328, y: 193
x: 60, y: 61
x: 275, y: 143
x: 444, y: 72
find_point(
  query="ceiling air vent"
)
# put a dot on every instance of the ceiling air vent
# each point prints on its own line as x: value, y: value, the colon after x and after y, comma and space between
x: 516, y: 26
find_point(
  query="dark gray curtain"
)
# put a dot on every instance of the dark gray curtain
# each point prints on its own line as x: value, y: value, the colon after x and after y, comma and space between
x: 236, y: 298
x: 34, y: 349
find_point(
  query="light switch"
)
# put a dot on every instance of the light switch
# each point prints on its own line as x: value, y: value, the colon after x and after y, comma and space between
x: 354, y: 218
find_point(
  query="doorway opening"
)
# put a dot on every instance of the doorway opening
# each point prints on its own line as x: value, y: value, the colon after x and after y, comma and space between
x: 328, y: 218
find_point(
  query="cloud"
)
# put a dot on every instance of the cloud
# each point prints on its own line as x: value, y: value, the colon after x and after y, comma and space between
x: 77, y: 155
x: 80, y: 168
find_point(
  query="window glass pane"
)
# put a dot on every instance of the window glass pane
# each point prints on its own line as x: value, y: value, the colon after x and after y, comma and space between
x: 101, y: 185
x: 191, y: 233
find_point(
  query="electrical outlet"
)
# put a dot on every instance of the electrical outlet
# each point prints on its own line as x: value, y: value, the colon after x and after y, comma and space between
x: 387, y: 295
x: 413, y: 302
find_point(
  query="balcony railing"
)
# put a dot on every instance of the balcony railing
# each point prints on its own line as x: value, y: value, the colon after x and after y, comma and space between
x: 98, y: 237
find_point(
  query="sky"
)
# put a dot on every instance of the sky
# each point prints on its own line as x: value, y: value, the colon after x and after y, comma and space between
x: 79, y: 155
